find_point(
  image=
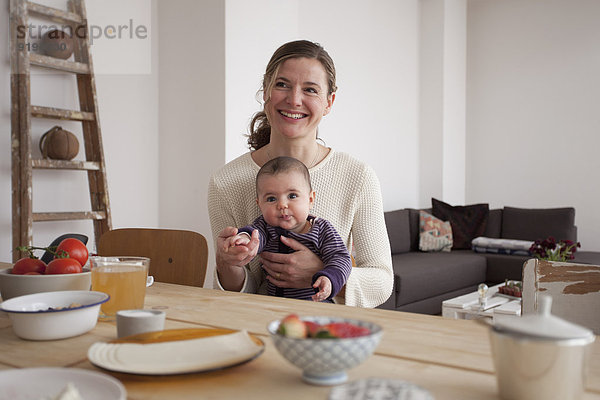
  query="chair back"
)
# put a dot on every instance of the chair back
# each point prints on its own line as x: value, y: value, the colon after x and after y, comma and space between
x: 176, y: 256
x: 575, y: 290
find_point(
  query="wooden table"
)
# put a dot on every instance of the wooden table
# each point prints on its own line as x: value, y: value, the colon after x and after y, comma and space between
x: 450, y: 358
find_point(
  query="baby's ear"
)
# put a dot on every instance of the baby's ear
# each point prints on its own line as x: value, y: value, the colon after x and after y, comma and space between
x: 311, y: 198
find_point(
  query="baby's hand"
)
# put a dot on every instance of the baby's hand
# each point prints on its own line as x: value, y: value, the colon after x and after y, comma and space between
x: 241, y: 239
x: 324, y: 285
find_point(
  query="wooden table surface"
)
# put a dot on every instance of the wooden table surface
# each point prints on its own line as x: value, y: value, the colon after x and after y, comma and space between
x: 450, y: 358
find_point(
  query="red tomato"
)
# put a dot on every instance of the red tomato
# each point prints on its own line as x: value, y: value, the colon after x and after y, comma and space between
x: 74, y: 248
x: 63, y: 266
x: 25, y: 265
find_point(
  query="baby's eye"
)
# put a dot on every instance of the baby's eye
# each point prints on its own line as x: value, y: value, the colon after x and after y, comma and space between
x: 292, y: 196
x: 270, y: 199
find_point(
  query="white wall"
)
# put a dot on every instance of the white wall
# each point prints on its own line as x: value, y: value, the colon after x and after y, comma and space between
x: 531, y: 105
x: 533, y: 117
x: 442, y: 131
x: 374, y: 46
x: 248, y: 47
x: 128, y: 107
x: 375, y: 115
x: 192, y: 111
x: 454, y: 101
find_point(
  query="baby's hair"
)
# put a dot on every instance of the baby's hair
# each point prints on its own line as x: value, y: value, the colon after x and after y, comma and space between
x: 280, y: 165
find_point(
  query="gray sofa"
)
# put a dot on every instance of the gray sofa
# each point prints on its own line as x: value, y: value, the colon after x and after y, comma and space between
x: 422, y: 280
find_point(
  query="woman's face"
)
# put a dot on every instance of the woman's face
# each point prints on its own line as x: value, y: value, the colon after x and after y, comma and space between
x: 298, y: 99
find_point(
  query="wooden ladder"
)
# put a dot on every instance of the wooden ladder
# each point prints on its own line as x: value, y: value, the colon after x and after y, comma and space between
x: 22, y: 112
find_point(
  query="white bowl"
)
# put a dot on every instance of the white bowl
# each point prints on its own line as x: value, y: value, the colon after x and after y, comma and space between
x: 20, y: 285
x: 325, y: 361
x: 54, y: 315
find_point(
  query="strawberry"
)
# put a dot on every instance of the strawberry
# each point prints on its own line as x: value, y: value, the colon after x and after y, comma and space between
x: 342, y: 330
x: 292, y: 326
x: 312, y: 327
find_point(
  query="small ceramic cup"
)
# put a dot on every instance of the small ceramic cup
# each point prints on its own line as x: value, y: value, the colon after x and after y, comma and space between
x: 132, y: 322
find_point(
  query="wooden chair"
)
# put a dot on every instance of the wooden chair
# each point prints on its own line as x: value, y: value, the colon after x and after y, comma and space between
x: 575, y: 290
x: 176, y: 256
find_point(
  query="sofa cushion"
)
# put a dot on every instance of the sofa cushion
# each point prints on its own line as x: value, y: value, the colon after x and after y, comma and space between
x: 468, y: 222
x: 418, y: 275
x: 413, y: 217
x: 493, y: 228
x: 435, y: 234
x: 501, y: 267
x: 397, y: 224
x: 539, y: 223
x: 587, y: 257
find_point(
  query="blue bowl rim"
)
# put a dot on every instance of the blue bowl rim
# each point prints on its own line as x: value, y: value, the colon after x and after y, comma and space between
x: 103, y: 299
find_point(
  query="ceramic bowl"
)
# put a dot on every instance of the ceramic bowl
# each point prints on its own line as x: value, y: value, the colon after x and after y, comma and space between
x: 325, y: 361
x: 20, y: 285
x: 54, y: 315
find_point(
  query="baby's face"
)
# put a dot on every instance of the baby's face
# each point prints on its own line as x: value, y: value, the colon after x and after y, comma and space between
x: 285, y: 200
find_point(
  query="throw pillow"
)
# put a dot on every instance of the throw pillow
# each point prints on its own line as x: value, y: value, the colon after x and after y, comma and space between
x: 539, y: 223
x: 398, y: 230
x: 468, y: 222
x: 435, y: 234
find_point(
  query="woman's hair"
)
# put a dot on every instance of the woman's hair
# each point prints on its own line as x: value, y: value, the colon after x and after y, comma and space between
x: 279, y: 165
x: 260, y: 129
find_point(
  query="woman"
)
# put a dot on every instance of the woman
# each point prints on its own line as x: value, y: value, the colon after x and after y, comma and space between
x: 298, y: 91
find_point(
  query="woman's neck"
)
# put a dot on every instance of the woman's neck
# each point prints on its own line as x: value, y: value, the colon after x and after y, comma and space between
x: 309, y: 152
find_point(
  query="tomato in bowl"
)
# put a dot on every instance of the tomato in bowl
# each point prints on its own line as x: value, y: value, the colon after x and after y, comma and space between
x: 14, y: 285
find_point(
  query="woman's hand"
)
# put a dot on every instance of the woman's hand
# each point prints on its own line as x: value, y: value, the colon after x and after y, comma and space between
x: 294, y: 270
x: 231, y: 260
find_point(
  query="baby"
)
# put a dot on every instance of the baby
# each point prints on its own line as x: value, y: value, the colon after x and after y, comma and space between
x: 285, y: 197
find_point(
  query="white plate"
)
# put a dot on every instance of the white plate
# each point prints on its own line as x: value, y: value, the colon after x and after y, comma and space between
x: 45, y: 383
x: 176, y: 351
x: 379, y: 389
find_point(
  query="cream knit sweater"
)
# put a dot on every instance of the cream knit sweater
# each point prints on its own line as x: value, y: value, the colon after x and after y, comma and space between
x: 347, y: 194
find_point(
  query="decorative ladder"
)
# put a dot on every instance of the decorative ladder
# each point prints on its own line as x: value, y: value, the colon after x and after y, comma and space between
x: 22, y: 112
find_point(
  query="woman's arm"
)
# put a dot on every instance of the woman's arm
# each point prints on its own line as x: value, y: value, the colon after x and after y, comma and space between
x: 371, y: 281
x: 230, y: 260
x: 231, y: 272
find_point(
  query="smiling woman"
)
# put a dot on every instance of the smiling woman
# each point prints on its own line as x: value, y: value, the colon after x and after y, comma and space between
x: 298, y: 91
x: 298, y: 100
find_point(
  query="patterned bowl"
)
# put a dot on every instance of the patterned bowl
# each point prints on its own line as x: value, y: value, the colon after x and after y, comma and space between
x: 325, y: 361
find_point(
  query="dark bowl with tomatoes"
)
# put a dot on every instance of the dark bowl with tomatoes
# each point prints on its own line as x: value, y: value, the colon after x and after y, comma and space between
x: 14, y: 285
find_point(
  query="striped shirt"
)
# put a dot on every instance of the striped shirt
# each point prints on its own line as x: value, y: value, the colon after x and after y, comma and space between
x: 322, y: 239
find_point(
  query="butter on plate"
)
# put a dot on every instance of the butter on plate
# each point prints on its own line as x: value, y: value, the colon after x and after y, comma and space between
x: 176, y: 357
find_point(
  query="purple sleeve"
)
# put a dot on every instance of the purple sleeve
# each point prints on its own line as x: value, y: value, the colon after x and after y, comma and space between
x: 337, y: 263
x: 260, y: 225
